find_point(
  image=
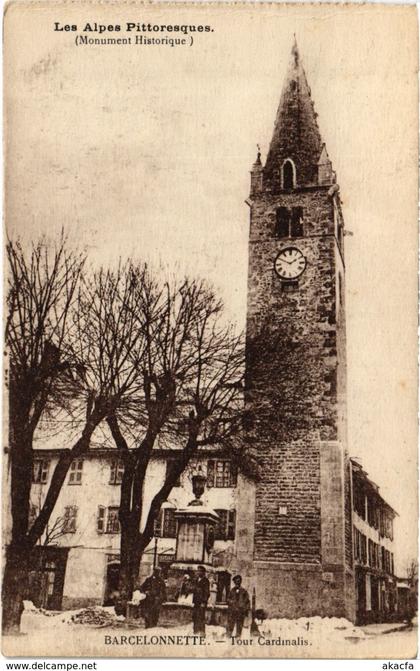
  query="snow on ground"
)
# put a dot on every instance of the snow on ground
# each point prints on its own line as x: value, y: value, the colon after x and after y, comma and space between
x: 49, y: 633
x: 334, y: 628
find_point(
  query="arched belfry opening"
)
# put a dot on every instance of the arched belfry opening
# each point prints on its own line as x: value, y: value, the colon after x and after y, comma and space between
x: 288, y: 174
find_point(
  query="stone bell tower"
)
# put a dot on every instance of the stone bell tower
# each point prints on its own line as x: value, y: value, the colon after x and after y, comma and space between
x: 296, y: 367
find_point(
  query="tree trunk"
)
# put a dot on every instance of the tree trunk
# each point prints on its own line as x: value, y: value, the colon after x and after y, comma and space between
x: 15, y: 584
x: 128, y: 567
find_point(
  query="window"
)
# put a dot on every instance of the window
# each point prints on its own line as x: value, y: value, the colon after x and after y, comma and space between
x: 383, y: 559
x: 40, y: 470
x: 165, y: 524
x: 360, y: 546
x: 108, y: 521
x: 282, y: 222
x: 388, y: 562
x: 368, y: 592
x: 100, y: 523
x: 225, y: 526
x: 386, y: 524
x: 372, y: 513
x: 359, y: 500
x: 113, y: 523
x: 288, y: 175
x: 116, y: 472
x: 289, y: 222
x: 357, y: 545
x: 76, y: 468
x: 363, y: 549
x: 221, y: 473
x: 69, y: 519
x: 373, y: 549
x: 169, y: 465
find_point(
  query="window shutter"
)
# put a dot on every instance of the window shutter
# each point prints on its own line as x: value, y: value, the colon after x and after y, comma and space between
x: 120, y: 472
x: 231, y: 524
x: 45, y: 465
x: 355, y: 543
x: 227, y: 468
x: 35, y: 468
x: 72, y: 467
x: 233, y: 475
x: 210, y: 473
x: 282, y: 222
x: 113, y: 472
x: 220, y: 532
x: 364, y: 549
x: 100, y: 522
x: 296, y: 223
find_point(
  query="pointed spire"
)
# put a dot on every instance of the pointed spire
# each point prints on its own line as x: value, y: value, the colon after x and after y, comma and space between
x: 257, y: 163
x: 326, y: 175
x: 295, y: 50
x: 296, y: 134
x: 257, y: 173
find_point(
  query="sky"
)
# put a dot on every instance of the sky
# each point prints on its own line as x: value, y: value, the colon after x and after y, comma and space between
x: 145, y: 151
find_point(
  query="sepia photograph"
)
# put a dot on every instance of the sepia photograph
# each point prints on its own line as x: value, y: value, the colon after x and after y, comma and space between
x: 210, y: 330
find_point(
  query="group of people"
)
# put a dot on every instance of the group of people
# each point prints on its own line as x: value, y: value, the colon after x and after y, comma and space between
x: 238, y: 602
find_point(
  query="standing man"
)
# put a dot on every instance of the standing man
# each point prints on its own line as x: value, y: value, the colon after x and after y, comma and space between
x: 155, y: 590
x: 238, y: 607
x: 201, y: 593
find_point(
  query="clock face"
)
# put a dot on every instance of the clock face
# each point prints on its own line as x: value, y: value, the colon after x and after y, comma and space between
x: 290, y: 263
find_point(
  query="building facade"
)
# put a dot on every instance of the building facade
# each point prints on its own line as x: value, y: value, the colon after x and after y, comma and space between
x: 373, y: 553
x: 77, y: 562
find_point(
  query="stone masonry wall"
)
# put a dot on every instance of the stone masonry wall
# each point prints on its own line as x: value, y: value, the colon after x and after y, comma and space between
x: 291, y: 364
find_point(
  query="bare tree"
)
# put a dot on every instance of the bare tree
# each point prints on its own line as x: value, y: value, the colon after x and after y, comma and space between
x: 75, y: 345
x: 42, y: 284
x: 113, y: 345
x: 192, y: 383
x: 413, y: 573
x: 413, y: 583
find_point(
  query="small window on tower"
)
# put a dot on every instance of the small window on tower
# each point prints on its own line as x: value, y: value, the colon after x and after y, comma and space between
x: 289, y: 222
x: 288, y: 175
x: 282, y: 222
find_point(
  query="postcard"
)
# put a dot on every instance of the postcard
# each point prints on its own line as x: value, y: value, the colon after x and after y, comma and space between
x: 210, y: 399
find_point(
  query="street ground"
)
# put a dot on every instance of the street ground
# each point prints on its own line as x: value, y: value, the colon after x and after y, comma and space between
x: 98, y: 633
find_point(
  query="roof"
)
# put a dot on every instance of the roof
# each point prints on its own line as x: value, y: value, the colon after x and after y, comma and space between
x: 362, y: 474
x: 296, y: 134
